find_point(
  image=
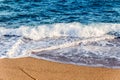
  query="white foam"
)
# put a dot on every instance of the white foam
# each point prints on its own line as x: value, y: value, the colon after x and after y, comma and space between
x: 71, y: 44
x: 78, y: 40
x: 62, y: 29
x: 15, y: 49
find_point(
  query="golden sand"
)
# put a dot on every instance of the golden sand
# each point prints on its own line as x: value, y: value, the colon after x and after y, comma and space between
x: 37, y: 69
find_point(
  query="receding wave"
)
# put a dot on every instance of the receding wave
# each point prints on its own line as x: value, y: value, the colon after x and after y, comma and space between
x: 93, y: 44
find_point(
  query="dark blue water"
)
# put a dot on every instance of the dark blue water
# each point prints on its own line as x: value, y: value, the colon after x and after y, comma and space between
x: 14, y: 13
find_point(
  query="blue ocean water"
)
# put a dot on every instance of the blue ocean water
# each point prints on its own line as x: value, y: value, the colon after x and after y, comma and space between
x: 81, y: 32
x: 14, y: 13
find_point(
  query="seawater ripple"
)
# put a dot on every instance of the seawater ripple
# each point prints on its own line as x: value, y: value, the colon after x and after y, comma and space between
x: 14, y: 13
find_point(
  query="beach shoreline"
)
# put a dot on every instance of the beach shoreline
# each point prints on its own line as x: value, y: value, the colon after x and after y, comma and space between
x: 38, y: 69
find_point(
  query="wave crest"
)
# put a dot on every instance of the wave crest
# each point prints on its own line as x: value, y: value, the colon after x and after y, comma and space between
x: 63, y: 29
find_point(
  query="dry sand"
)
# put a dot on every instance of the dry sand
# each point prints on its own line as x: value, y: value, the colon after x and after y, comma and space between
x: 37, y: 69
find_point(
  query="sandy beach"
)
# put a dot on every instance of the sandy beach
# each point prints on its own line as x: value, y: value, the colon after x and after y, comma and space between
x: 37, y: 69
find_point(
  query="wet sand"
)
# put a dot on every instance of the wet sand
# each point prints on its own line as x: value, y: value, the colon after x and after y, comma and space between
x: 37, y: 69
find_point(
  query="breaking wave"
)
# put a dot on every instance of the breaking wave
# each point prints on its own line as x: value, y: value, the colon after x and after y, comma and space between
x: 63, y: 29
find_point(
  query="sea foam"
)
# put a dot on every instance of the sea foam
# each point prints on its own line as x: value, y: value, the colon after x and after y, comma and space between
x: 64, y: 42
x: 63, y: 29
